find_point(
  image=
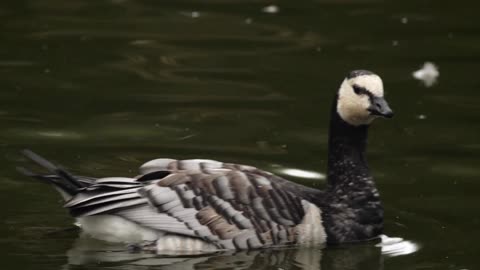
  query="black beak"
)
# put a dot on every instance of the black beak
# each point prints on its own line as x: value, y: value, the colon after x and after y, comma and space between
x: 379, y: 106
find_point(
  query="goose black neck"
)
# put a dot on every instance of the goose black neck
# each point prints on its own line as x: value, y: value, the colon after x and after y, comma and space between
x: 346, y: 150
x: 352, y: 210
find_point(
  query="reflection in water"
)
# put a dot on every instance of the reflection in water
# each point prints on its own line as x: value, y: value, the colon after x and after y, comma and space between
x: 59, y: 134
x: 302, y: 173
x: 90, y: 252
x: 271, y: 9
x: 87, y: 251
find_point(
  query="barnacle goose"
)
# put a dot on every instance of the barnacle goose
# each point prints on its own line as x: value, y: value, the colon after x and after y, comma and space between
x: 202, y: 205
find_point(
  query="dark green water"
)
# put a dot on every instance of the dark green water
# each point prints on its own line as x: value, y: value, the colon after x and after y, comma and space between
x: 102, y: 86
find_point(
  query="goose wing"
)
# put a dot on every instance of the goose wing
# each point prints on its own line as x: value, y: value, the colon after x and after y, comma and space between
x: 229, y: 205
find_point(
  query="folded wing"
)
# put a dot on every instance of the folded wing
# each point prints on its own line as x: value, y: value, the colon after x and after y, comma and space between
x: 228, y: 205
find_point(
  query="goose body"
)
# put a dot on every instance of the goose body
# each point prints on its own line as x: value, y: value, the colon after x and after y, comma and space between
x: 202, y: 205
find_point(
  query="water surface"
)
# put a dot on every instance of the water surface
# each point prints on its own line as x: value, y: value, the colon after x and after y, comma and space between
x: 102, y: 86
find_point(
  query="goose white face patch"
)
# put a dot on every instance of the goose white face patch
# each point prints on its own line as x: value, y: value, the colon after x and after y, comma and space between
x: 353, y: 107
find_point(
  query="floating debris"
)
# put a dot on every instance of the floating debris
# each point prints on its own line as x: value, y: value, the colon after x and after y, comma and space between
x: 404, y: 20
x: 248, y: 20
x: 428, y: 74
x: 272, y: 9
x: 421, y: 117
x: 394, y: 43
x: 396, y: 246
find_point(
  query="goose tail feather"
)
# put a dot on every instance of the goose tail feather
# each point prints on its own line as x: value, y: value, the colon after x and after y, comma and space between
x: 64, y: 182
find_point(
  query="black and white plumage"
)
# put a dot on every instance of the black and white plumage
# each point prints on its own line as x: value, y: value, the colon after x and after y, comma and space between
x: 205, y: 205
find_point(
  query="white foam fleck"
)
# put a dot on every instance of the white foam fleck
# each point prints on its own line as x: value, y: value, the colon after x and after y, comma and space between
x: 428, y: 74
x: 195, y: 14
x: 272, y: 9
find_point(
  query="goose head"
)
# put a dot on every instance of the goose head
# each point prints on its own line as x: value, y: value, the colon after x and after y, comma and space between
x: 360, y: 98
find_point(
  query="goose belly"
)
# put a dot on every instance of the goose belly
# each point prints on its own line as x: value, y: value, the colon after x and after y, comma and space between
x: 183, y: 244
x: 117, y: 229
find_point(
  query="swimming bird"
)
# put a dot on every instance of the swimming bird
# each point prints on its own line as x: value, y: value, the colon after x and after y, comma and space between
x: 200, y: 205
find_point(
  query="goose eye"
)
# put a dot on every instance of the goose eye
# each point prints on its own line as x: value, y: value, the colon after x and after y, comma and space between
x: 358, y: 90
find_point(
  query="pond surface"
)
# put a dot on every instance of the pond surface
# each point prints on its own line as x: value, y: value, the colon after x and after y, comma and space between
x: 102, y: 86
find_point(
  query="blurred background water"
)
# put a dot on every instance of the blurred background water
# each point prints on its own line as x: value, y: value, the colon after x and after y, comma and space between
x: 102, y: 86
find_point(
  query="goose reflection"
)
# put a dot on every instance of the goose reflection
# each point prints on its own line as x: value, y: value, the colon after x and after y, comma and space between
x: 90, y: 252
